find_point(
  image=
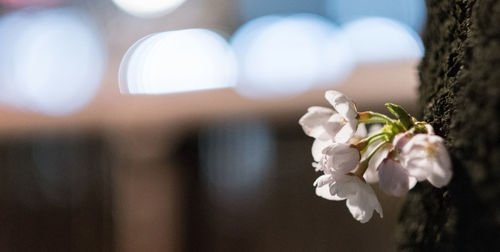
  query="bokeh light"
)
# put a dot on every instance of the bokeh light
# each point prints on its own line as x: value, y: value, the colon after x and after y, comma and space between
x: 409, y: 12
x: 148, y: 8
x: 377, y: 39
x: 52, y: 60
x: 23, y: 3
x: 283, y: 56
x: 178, y: 61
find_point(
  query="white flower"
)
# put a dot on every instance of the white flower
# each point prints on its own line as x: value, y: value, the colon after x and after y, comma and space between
x: 318, y: 146
x: 339, y: 157
x: 400, y: 140
x: 429, y: 128
x: 345, y: 121
x: 337, y: 183
x: 414, y: 158
x: 394, y: 178
x: 330, y: 125
x: 361, y: 200
x: 392, y: 174
x: 426, y: 158
x: 360, y: 197
x: 340, y: 135
x: 316, y: 122
x: 360, y: 133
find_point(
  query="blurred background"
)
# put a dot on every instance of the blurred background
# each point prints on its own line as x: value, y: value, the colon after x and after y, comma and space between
x: 172, y: 125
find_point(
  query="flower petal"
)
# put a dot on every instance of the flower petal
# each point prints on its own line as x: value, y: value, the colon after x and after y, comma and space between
x: 342, y: 104
x: 313, y: 122
x: 324, y: 192
x: 364, y: 202
x: 346, y: 132
x: 400, y: 140
x: 441, y: 171
x: 318, y: 147
x: 341, y: 157
x: 323, y: 180
x: 393, y: 178
x: 361, y: 131
x: 426, y: 158
x: 439, y: 177
x: 418, y: 167
x: 371, y: 174
x: 429, y: 128
x: 344, y: 187
x: 415, y: 157
x: 323, y: 184
x: 412, y: 182
x: 334, y: 124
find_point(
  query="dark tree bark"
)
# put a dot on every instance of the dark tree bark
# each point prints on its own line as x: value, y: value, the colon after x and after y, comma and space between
x: 459, y: 96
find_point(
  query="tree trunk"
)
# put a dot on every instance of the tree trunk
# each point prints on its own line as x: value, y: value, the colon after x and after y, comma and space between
x: 459, y: 96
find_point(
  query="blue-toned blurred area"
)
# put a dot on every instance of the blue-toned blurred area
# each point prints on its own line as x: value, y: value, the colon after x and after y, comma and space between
x: 172, y: 125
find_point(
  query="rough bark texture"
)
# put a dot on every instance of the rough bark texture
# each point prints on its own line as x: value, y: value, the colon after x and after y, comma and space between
x: 459, y: 96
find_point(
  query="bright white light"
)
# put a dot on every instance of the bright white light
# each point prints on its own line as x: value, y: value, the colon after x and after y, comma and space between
x: 410, y: 12
x: 20, y: 3
x: 148, y: 8
x: 177, y: 61
x: 378, y: 39
x: 51, y: 61
x: 288, y: 55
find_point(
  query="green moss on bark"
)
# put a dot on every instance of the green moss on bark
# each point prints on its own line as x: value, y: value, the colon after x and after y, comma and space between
x: 459, y: 96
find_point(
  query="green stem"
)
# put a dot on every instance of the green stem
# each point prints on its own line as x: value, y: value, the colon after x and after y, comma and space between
x: 372, y: 120
x: 363, y: 144
x: 373, y: 117
x: 375, y: 136
x: 384, y: 137
x: 401, y: 114
x: 364, y: 164
x: 382, y: 117
x: 375, y: 150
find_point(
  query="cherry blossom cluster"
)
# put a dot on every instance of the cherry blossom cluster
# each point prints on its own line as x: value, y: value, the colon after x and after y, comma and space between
x: 396, y: 153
